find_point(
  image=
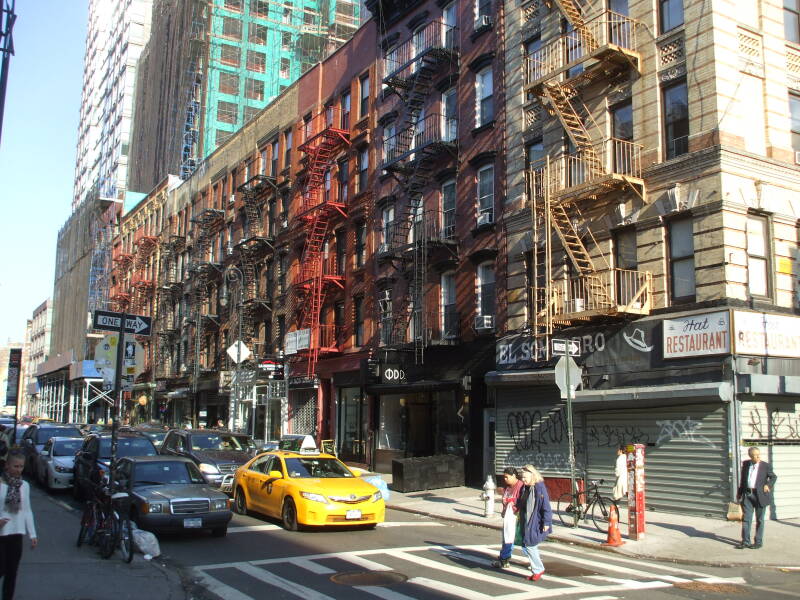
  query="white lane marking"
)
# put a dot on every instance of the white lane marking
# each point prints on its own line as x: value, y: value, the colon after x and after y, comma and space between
x: 548, y: 593
x: 286, y: 585
x: 382, y: 592
x: 459, y: 571
x: 312, y: 566
x: 601, y: 598
x: 271, y: 527
x: 365, y: 563
x: 411, y: 524
x: 448, y: 588
x: 580, y: 561
x: 215, y: 586
x: 733, y: 580
x: 628, y: 583
x: 245, y: 528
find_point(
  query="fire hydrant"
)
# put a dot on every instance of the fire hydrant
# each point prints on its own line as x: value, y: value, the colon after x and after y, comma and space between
x: 488, y: 496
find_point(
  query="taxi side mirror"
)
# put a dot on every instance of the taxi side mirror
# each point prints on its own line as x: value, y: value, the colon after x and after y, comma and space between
x: 275, y: 475
x: 356, y: 472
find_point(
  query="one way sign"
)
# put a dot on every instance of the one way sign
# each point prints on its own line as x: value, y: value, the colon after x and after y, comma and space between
x: 109, y: 321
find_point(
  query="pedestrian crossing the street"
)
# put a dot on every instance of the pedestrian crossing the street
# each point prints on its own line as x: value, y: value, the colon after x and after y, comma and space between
x: 438, y: 571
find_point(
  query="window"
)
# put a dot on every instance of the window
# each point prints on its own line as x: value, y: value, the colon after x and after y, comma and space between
x: 486, y: 195
x: 390, y: 149
x: 757, y: 255
x: 387, y: 227
x: 484, y: 108
x: 794, y: 110
x: 449, y: 317
x: 344, y: 181
x: 681, y: 260
x: 338, y: 319
x: 283, y: 267
x: 250, y: 112
x: 256, y: 61
x: 345, y: 111
x: 285, y: 68
x: 230, y: 55
x: 449, y: 115
x: 450, y: 22
x: 281, y: 324
x: 622, y: 129
x: 386, y: 317
x: 483, y: 8
x: 257, y: 34
x: 262, y: 163
x: 220, y: 136
x: 253, y: 89
x: 287, y: 15
x: 287, y: 148
x: 626, y: 262
x: 274, y: 165
x: 227, y: 112
x: 671, y: 14
x: 534, y: 152
x: 233, y: 4
x: 358, y: 320
x: 361, y: 243
x: 259, y: 8
x: 486, y: 294
x: 341, y: 251
x: 363, y: 170
x: 326, y: 186
x: 231, y: 28
x: 364, y: 95
x: 286, y: 41
x: 449, y: 209
x: 791, y: 20
x: 676, y: 119
x: 229, y: 83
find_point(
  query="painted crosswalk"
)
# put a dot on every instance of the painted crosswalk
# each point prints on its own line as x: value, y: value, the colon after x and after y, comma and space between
x: 464, y: 571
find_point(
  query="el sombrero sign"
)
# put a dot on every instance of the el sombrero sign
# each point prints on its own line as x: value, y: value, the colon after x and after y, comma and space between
x: 697, y: 335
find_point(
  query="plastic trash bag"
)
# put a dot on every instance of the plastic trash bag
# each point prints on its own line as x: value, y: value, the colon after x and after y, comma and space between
x: 146, y: 543
x: 379, y: 483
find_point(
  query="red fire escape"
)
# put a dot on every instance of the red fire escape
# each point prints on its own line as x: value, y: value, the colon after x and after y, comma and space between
x: 142, y: 282
x: 120, y: 297
x: 323, y: 139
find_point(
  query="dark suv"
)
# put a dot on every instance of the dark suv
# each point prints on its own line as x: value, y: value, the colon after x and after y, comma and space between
x: 93, y: 460
x: 216, y: 453
x: 36, y: 436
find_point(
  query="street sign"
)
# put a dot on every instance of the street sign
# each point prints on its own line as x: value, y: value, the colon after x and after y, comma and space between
x: 238, y: 351
x: 132, y: 364
x: 563, y: 347
x: 564, y: 364
x: 105, y: 359
x: 109, y: 321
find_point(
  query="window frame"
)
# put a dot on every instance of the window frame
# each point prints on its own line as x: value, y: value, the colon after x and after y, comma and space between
x: 685, y: 258
x: 663, y: 7
x: 766, y: 257
x: 667, y: 123
x: 478, y: 197
x: 363, y: 95
x: 480, y: 284
x: 482, y: 99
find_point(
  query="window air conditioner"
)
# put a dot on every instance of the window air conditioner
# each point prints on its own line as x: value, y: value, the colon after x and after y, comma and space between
x: 483, y: 21
x: 483, y: 322
x: 485, y: 219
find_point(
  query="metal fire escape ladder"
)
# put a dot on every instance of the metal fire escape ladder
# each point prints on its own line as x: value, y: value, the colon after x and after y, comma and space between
x: 199, y: 294
x: 558, y: 95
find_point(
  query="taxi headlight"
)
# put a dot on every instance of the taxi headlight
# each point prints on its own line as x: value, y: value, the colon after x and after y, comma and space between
x: 209, y: 469
x: 155, y: 507
x: 314, y: 497
x: 377, y: 496
x: 219, y: 504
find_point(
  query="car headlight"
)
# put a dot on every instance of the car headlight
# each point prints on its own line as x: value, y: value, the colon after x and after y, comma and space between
x: 314, y: 497
x: 209, y: 469
x: 155, y: 507
x: 60, y: 469
x: 377, y: 496
x: 219, y: 504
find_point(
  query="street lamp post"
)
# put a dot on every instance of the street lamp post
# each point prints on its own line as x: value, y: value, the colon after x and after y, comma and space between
x: 233, y: 273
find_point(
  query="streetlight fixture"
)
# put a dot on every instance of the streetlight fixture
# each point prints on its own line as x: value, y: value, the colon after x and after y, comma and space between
x: 233, y: 273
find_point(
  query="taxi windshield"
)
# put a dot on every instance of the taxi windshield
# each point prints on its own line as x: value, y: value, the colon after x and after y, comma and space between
x: 216, y: 441
x: 323, y: 468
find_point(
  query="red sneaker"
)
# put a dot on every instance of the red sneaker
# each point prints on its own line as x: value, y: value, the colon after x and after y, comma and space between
x: 535, y: 576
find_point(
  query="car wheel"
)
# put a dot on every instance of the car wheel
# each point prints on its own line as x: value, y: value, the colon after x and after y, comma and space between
x: 240, y: 502
x: 220, y: 531
x: 289, y: 515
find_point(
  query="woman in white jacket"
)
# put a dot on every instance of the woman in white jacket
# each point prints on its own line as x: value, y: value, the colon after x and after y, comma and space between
x: 621, y: 472
x: 16, y: 519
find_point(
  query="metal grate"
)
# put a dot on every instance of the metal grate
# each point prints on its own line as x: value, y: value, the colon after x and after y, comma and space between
x: 189, y: 507
x: 304, y: 416
x: 227, y: 467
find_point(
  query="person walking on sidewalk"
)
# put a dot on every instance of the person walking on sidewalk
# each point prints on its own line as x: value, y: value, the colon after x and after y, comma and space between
x: 509, y: 514
x: 621, y: 473
x: 535, y: 518
x: 16, y: 519
x: 755, y: 494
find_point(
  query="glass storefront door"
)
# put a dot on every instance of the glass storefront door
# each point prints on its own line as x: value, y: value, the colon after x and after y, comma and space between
x: 352, y: 424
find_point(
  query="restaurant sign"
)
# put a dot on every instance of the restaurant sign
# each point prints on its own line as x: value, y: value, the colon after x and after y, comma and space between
x: 766, y: 335
x: 697, y: 335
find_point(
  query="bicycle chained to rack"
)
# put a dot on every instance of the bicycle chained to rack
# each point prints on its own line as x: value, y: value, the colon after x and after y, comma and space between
x: 106, y: 523
x: 583, y: 504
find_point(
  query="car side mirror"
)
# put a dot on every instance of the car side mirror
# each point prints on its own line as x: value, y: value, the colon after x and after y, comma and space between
x: 356, y: 472
x: 275, y: 475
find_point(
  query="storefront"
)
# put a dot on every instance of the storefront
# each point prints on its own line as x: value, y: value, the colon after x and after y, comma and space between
x: 271, y: 411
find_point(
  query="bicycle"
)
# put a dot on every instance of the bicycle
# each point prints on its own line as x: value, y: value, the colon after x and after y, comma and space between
x: 571, y: 507
x: 106, y: 523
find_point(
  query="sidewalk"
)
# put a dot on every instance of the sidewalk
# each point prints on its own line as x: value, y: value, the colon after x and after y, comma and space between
x: 679, y: 538
x: 57, y: 570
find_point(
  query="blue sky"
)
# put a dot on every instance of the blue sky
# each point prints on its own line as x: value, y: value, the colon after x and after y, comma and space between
x: 37, y: 152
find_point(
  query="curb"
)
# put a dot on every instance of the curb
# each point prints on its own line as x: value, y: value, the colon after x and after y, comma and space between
x: 571, y: 542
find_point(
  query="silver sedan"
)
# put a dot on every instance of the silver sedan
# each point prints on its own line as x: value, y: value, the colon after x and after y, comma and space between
x: 55, y: 462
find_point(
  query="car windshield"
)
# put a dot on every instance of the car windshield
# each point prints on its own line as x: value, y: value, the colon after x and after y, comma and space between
x: 132, y: 446
x: 221, y: 441
x: 20, y: 433
x: 316, y: 467
x: 45, y: 433
x: 67, y: 447
x: 155, y: 436
x: 166, y: 472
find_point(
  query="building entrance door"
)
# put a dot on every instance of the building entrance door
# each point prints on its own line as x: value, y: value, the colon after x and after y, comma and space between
x: 352, y: 425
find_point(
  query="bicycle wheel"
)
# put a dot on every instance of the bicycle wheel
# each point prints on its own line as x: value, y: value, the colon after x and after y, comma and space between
x: 125, y: 538
x: 87, y: 525
x: 601, y: 511
x: 567, y: 509
x: 109, y: 535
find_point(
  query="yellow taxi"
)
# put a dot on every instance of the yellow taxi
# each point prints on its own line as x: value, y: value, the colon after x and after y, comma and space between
x: 306, y: 488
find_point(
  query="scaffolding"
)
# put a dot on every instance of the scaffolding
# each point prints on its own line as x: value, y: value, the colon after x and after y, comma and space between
x: 565, y: 188
x: 410, y: 155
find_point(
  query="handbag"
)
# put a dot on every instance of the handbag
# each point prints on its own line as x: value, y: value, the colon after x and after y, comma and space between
x: 735, y: 511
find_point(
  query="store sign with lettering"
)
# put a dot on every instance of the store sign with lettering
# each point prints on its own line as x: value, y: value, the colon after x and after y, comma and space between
x: 697, y: 335
x: 766, y: 335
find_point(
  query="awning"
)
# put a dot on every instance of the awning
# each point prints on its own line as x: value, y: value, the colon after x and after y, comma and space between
x: 179, y: 393
x: 655, y: 395
x: 520, y: 378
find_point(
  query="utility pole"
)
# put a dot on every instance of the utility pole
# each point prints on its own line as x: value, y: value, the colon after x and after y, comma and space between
x: 117, y: 399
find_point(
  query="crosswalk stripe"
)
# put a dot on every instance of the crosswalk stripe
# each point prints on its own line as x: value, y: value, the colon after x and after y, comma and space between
x: 312, y: 566
x: 628, y: 583
x: 286, y: 585
x: 432, y: 564
x: 389, y: 524
x: 365, y: 563
x: 607, y: 565
x: 448, y: 588
x: 411, y: 524
x: 549, y: 593
x: 246, y: 528
x: 215, y: 586
x: 382, y: 592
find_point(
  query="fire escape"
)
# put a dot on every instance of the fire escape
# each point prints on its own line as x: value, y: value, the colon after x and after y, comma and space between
x: 323, y: 139
x: 169, y: 290
x: 601, y: 51
x: 142, y: 281
x: 120, y: 297
x: 410, y: 155
x: 254, y: 240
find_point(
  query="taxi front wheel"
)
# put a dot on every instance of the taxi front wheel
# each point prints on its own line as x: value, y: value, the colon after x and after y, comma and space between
x: 240, y: 502
x: 289, y: 515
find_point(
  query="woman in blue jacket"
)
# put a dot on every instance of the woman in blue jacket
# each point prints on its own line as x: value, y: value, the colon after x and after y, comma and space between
x: 535, y: 518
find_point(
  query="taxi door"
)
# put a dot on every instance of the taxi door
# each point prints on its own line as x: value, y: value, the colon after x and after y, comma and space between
x: 274, y: 488
x: 253, y: 481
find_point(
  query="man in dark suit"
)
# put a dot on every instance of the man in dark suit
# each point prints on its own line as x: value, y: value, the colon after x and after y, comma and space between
x: 755, y: 494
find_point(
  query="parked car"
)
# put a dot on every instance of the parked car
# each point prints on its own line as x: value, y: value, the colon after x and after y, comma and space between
x: 306, y: 488
x: 36, y: 436
x: 7, y: 432
x: 93, y: 460
x: 55, y: 462
x: 170, y: 494
x: 155, y: 433
x: 216, y: 453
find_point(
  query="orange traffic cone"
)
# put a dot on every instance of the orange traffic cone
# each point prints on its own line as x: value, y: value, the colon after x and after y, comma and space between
x: 614, y: 537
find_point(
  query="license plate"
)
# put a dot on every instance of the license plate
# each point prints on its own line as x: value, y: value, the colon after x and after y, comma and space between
x: 353, y: 514
x: 193, y: 523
